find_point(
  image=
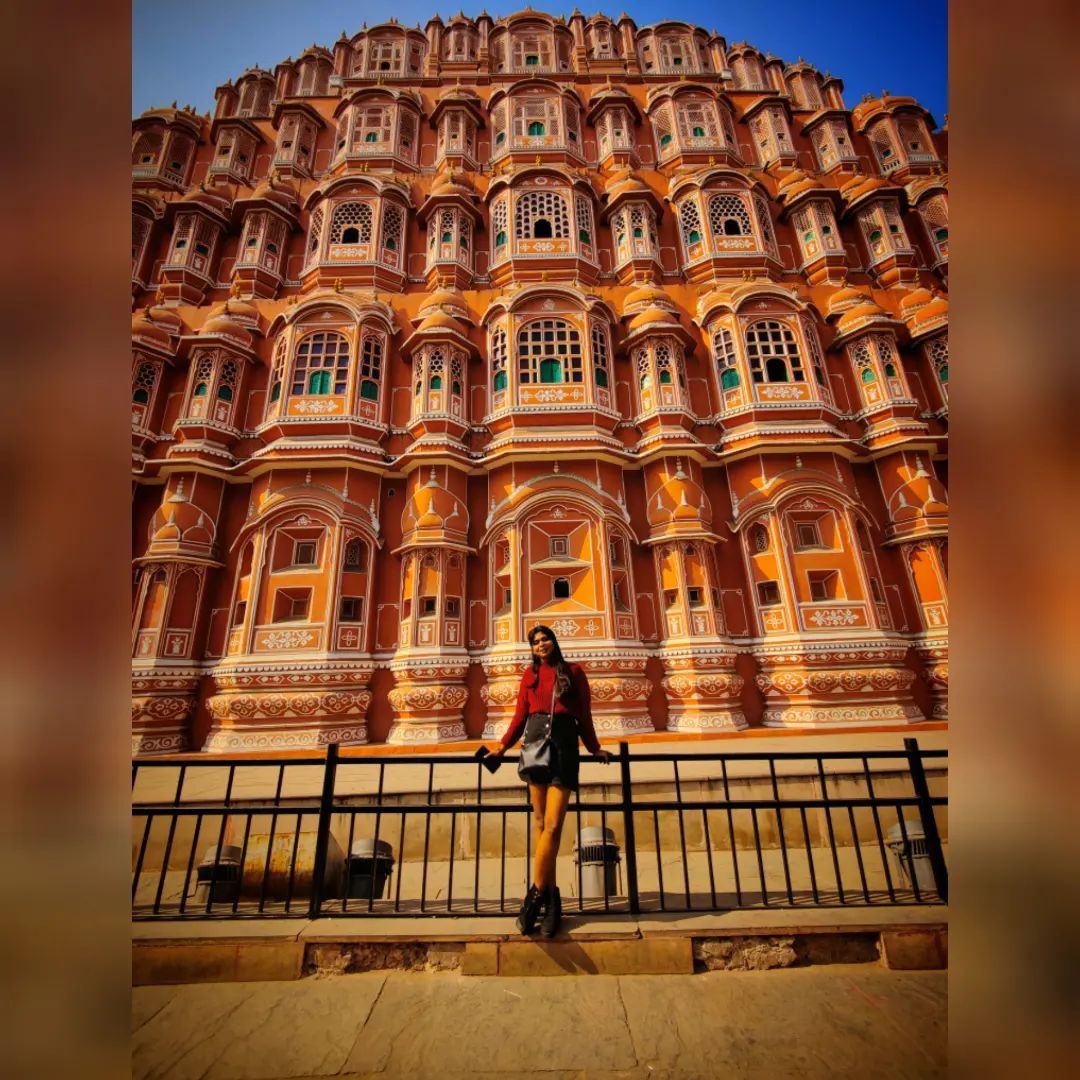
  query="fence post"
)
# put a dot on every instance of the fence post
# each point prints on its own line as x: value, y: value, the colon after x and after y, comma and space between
x: 628, y: 829
x: 929, y: 822
x: 322, y: 836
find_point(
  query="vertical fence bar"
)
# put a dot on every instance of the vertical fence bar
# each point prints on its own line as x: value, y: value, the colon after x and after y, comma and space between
x: 270, y: 837
x: 322, y: 836
x: 427, y: 836
x: 877, y: 828
x: 375, y: 861
x: 929, y: 822
x: 682, y: 837
x: 731, y: 832
x: 780, y: 831
x: 832, y: 835
x: 628, y: 829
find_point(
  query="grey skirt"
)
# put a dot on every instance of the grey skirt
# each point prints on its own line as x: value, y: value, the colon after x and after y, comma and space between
x: 566, y: 757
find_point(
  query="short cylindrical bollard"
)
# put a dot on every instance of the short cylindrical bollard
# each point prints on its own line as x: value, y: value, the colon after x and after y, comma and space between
x: 911, y: 855
x: 369, y: 868
x: 598, y: 856
x: 217, y: 877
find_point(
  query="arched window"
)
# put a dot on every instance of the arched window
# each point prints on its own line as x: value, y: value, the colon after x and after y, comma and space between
x: 729, y: 216
x: 549, y: 350
x: 351, y: 223
x: 724, y: 349
x: 599, y: 355
x: 498, y: 361
x: 371, y: 352
x: 536, y: 128
x: 325, y: 354
x: 690, y: 222
x: 227, y: 383
x: 560, y: 589
x: 541, y: 214
x: 759, y: 538
x: 143, y: 383
x: 773, y: 353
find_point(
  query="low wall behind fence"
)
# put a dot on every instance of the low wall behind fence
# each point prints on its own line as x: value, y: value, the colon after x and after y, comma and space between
x: 439, y: 835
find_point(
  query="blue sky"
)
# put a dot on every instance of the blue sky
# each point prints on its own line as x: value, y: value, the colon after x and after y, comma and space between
x: 182, y: 51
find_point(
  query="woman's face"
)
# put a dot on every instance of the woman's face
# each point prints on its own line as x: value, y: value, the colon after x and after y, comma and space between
x: 542, y: 645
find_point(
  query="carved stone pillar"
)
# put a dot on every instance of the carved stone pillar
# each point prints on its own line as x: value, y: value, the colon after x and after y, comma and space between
x: 162, y: 702
x: 297, y: 706
x: 843, y: 683
x: 702, y: 688
x: 429, y: 699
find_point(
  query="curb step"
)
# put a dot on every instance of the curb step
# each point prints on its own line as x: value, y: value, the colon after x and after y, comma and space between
x: 629, y: 952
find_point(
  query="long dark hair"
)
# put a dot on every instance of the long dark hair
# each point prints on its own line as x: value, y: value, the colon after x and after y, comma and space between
x: 562, y: 668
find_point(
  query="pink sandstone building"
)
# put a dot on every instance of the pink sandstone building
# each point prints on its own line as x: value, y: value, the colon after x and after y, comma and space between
x: 438, y: 334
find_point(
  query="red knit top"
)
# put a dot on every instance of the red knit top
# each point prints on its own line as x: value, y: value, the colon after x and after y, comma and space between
x: 535, y: 696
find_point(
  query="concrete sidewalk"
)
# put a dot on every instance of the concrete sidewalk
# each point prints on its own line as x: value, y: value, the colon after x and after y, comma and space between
x: 839, y: 1021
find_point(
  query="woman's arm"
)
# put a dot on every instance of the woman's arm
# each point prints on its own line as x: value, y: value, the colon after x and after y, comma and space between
x: 584, y: 698
x: 517, y: 724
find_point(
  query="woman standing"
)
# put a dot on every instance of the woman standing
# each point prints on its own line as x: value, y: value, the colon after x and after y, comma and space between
x: 554, y: 693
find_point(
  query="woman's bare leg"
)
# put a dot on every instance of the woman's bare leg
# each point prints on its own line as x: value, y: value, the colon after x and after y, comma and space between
x: 547, y: 850
x: 538, y: 797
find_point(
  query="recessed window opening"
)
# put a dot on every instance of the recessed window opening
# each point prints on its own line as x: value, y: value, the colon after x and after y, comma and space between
x: 560, y: 588
x: 542, y: 229
x: 304, y: 553
x: 768, y: 593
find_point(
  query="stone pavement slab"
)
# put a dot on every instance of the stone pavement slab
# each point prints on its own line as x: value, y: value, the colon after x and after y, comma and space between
x: 821, y: 1022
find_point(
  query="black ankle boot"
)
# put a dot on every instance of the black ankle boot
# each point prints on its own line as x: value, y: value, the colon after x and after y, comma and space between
x: 530, y: 908
x: 553, y: 915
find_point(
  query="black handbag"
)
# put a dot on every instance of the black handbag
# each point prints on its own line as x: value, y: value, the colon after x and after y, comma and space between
x: 538, y: 753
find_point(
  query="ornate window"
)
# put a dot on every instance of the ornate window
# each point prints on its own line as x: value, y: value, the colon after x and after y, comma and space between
x: 277, y: 375
x: 144, y: 381
x: 938, y: 353
x: 549, y: 351
x: 765, y: 221
x: 883, y: 230
x: 831, y: 143
x: 614, y: 130
x: 729, y: 216
x: 393, y: 226
x: 935, y: 215
x: 748, y: 74
x: 140, y: 234
x: 314, y: 236
x: 371, y: 353
x: 877, y: 370
x: 690, y: 225
x: 773, y: 353
x: 499, y: 375
x: 351, y: 223
x: 817, y: 361
x: 661, y: 380
x: 664, y: 128
x: 726, y: 363
x: 498, y: 229
x: 599, y: 355
x: 884, y: 149
x: 584, y: 216
x: 255, y: 99
x: 541, y: 215
x: 698, y: 122
x: 322, y: 364
x: 213, y: 383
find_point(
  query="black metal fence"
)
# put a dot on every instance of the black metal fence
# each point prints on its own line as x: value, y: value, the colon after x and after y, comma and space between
x: 371, y: 835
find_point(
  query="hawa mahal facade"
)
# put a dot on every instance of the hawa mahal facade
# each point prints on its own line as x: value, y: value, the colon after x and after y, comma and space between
x: 439, y: 334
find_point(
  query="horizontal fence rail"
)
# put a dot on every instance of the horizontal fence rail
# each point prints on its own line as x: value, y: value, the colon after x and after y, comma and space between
x: 342, y: 835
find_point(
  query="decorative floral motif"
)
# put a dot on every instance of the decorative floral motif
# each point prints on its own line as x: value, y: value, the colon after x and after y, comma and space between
x: 835, y: 617
x: 287, y: 639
